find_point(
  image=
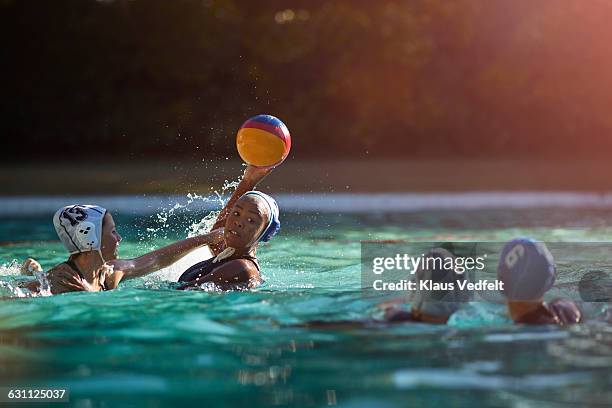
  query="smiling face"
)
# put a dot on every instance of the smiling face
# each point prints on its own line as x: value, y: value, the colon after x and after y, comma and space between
x: 246, y: 220
x: 110, y: 238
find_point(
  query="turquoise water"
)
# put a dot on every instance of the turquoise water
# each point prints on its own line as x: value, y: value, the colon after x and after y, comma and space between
x: 147, y: 344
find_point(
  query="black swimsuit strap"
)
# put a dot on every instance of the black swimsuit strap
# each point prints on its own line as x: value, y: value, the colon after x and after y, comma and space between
x: 205, y: 267
x: 252, y: 259
x: 75, y: 268
x: 235, y: 258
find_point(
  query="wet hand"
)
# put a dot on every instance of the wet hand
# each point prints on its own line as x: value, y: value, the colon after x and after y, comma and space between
x: 105, y: 273
x: 216, y: 240
x: 567, y: 312
x: 215, y: 236
x: 30, y: 266
x: 256, y: 173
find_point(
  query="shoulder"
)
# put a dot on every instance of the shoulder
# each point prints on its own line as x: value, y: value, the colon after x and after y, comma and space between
x: 232, y: 274
x: 238, y: 266
x: 60, y: 269
x: 62, y: 278
x: 236, y: 271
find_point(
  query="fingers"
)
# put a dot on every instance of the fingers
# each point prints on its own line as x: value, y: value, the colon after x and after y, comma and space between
x: 256, y: 173
x: 567, y: 311
x: 217, y: 248
x: 217, y: 235
x: 105, y: 270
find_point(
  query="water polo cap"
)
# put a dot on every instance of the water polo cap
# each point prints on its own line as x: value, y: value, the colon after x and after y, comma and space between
x: 527, y: 269
x: 273, y: 225
x: 79, y: 227
x: 442, y: 303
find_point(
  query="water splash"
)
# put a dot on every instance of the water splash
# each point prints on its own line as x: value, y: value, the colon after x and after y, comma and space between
x: 213, y: 287
x: 10, y: 288
x: 171, y: 222
x: 166, y: 221
x: 12, y: 268
x: 205, y: 224
x: 45, y: 287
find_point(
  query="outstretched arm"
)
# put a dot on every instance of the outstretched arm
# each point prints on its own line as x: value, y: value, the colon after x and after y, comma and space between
x: 252, y: 176
x: 158, y: 259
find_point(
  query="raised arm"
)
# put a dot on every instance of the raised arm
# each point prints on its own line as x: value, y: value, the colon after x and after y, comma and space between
x: 158, y: 259
x: 252, y: 176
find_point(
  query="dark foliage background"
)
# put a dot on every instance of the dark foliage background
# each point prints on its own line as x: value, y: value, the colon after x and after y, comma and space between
x: 353, y: 78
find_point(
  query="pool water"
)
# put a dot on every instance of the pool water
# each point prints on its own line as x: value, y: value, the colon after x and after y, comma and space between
x: 147, y: 344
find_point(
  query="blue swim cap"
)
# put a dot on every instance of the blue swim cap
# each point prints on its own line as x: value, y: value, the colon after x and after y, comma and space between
x: 527, y: 269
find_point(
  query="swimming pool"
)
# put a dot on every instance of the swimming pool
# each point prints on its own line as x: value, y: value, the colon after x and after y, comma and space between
x: 147, y: 344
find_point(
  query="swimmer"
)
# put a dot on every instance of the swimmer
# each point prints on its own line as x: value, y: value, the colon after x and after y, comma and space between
x: 434, y: 307
x: 527, y: 269
x: 431, y: 306
x: 249, y: 217
x: 88, y: 233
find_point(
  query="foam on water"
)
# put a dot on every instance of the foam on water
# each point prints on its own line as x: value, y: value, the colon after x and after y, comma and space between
x: 7, y: 289
x: 12, y: 268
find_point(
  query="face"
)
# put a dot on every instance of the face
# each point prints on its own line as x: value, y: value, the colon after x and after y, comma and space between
x: 245, y: 221
x: 110, y: 238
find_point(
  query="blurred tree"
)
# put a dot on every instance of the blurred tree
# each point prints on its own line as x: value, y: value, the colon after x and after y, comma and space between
x: 151, y: 78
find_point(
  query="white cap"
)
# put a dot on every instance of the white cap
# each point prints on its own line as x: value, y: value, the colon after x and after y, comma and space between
x: 79, y: 227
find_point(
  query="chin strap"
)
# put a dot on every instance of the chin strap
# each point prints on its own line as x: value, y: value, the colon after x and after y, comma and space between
x: 226, y: 253
x: 101, y: 257
x: 103, y: 277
